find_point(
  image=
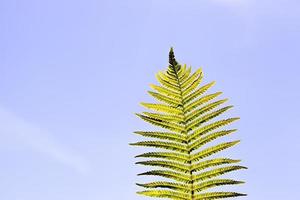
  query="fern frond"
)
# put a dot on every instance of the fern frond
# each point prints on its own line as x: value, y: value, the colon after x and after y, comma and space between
x: 190, y: 115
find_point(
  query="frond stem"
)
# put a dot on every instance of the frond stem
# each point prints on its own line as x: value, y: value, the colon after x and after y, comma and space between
x: 185, y: 131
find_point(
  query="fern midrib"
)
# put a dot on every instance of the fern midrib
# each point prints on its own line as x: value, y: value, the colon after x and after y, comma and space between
x: 186, y: 133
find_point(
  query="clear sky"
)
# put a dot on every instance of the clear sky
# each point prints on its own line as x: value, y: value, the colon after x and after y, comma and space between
x: 72, y: 73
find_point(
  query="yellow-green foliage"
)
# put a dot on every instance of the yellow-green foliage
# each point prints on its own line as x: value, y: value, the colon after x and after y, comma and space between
x: 187, y: 113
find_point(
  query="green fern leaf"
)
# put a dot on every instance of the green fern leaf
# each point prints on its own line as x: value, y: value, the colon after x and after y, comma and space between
x: 189, y: 115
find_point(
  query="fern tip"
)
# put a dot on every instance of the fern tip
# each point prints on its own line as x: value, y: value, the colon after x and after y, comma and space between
x: 137, y: 132
x: 172, y: 60
x: 140, y: 185
x: 224, y: 100
x: 144, y: 104
x: 141, y: 174
x: 243, y: 167
x: 236, y: 118
x: 151, y: 85
x: 140, y: 193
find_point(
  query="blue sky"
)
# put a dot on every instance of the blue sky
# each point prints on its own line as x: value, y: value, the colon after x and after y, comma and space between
x: 72, y: 73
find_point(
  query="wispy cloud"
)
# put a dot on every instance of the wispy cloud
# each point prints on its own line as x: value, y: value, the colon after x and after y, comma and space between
x: 39, y: 140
